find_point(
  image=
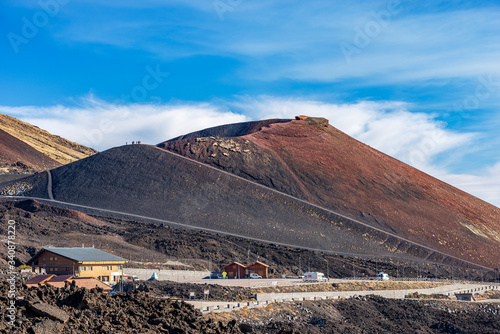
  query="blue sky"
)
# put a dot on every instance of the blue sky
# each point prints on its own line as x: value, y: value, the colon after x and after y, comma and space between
x: 419, y: 80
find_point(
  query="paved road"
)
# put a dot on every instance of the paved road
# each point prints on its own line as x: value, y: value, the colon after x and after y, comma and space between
x: 250, y: 283
x: 265, y: 299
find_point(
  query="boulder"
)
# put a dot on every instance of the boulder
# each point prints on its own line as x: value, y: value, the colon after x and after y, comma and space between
x: 49, y: 311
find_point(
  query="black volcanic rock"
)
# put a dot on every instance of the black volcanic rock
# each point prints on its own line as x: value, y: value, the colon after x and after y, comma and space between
x: 148, y: 181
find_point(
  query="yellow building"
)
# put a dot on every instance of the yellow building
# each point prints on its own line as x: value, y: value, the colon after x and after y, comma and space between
x: 83, y: 262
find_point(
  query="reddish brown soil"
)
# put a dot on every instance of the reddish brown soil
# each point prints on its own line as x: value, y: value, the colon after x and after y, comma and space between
x: 327, y: 167
x: 16, y: 153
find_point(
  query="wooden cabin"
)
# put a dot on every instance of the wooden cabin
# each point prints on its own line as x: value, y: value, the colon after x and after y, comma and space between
x: 235, y: 270
x: 258, y: 268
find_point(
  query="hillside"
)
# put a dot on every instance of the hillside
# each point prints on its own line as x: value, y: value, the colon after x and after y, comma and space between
x: 312, y: 160
x: 148, y: 181
x: 18, y: 157
x: 56, y: 148
x: 40, y: 224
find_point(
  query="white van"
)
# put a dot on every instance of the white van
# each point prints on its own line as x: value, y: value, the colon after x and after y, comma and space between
x: 314, y: 277
x: 255, y: 276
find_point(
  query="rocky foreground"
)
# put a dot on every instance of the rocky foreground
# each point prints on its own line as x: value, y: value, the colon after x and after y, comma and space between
x: 370, y: 315
x: 73, y: 310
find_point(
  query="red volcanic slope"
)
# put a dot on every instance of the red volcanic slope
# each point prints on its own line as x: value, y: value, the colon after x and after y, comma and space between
x: 13, y: 150
x: 314, y: 161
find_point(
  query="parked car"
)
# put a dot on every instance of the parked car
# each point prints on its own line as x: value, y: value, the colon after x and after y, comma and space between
x: 255, y: 276
x: 214, y: 275
x: 130, y: 278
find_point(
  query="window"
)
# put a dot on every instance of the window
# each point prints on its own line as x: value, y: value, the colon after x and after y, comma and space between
x: 43, y: 259
x: 89, y: 268
x: 51, y: 259
x: 105, y: 278
x: 119, y: 267
x: 55, y: 258
x: 83, y: 268
x: 55, y: 269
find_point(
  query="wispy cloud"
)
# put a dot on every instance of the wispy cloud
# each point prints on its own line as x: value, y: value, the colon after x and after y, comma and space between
x: 486, y: 185
x: 418, y: 139
x: 103, y: 125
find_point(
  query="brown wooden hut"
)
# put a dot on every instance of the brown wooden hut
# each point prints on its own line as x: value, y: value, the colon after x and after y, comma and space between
x: 235, y: 270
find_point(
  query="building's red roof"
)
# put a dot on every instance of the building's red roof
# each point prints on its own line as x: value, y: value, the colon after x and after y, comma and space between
x: 60, y: 278
x: 56, y: 284
x: 258, y: 263
x: 89, y: 283
x: 60, y: 281
x: 40, y: 279
x: 235, y: 263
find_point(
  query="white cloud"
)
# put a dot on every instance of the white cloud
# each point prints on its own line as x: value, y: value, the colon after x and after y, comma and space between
x: 485, y: 186
x: 415, y: 138
x: 102, y: 125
